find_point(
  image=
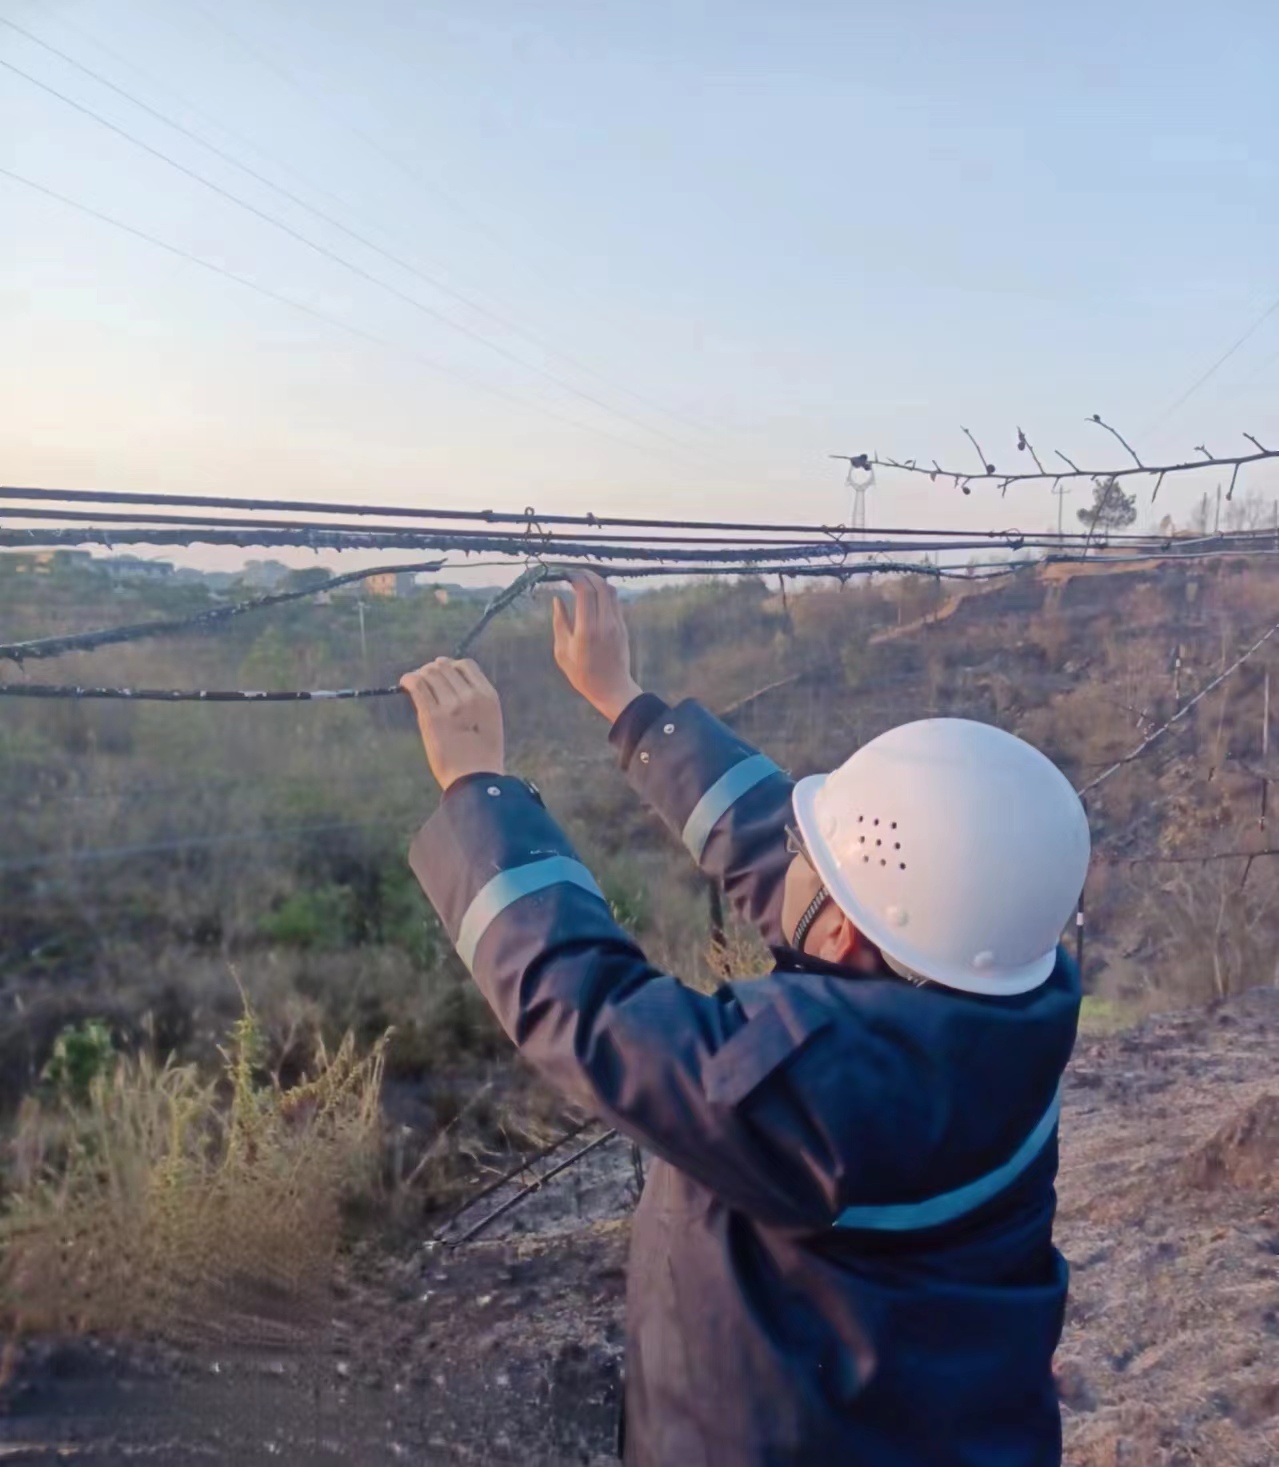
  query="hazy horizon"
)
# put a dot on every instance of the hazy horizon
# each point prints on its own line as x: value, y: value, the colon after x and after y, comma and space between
x: 770, y: 236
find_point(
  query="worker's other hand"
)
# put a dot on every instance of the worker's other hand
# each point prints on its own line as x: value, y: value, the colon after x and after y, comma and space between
x: 592, y: 647
x: 460, y: 716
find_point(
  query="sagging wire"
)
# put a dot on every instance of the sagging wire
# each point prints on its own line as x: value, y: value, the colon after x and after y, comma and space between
x: 1181, y: 713
x: 537, y: 573
x: 217, y: 616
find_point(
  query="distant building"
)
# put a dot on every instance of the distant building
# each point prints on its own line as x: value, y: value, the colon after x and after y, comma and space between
x: 264, y: 575
x: 42, y: 562
x: 133, y: 568
x: 385, y: 583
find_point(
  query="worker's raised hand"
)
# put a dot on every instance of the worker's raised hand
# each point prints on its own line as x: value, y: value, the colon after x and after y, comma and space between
x: 592, y: 647
x: 460, y: 716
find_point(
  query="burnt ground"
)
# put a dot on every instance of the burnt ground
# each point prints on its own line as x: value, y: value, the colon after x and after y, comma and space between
x: 508, y: 1350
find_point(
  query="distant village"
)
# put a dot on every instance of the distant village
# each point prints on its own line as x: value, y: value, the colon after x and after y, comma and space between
x: 254, y: 577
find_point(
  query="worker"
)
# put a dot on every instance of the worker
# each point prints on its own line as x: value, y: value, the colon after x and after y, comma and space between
x: 843, y: 1254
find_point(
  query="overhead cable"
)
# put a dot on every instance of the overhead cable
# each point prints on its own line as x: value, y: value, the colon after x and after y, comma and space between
x: 362, y: 239
x: 341, y: 260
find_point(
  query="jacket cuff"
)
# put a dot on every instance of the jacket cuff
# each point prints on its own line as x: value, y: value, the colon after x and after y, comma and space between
x: 490, y: 843
x: 693, y: 770
x: 467, y: 779
x: 633, y: 723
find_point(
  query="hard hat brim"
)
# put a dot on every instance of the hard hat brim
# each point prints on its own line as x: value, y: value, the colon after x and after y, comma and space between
x: 843, y: 893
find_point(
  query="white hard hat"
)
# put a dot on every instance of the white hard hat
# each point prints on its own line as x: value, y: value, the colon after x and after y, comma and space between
x: 958, y: 849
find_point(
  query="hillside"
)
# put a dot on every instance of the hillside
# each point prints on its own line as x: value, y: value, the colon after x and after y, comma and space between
x: 507, y: 1351
x: 156, y: 861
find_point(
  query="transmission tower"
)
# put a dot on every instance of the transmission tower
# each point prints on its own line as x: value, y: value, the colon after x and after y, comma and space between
x: 859, y: 486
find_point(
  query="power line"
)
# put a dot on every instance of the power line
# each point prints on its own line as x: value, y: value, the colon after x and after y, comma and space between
x: 1214, y: 368
x: 532, y: 518
x: 333, y: 256
x: 1163, y: 728
x: 520, y: 256
x: 200, y: 621
x: 1199, y: 858
x: 528, y: 404
x: 433, y: 281
x: 680, y: 546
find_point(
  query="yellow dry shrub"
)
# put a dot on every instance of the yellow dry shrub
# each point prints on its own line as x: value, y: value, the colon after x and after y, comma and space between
x: 168, y: 1204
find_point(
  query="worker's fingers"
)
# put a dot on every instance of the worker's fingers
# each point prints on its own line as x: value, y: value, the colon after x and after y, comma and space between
x: 419, y: 689
x: 453, y: 687
x: 589, y: 605
x: 561, y: 625
x: 472, y: 674
x: 442, y: 687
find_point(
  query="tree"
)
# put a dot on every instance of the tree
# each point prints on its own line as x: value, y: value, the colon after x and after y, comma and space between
x: 1111, y: 508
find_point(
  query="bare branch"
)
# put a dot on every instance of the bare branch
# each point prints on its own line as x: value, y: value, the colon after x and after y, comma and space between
x: 985, y: 462
x: 1158, y: 482
x: 1199, y: 448
x: 1258, y: 444
x: 1114, y: 432
x: 1024, y: 445
x: 1154, y: 471
x: 1230, y: 493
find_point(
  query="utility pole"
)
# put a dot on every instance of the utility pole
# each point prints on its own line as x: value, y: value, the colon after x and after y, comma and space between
x: 1216, y: 523
x: 1060, y: 490
x: 364, y: 646
x: 1265, y: 752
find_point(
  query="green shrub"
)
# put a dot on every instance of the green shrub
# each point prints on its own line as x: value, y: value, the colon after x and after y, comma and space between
x: 82, y: 1055
x: 322, y: 917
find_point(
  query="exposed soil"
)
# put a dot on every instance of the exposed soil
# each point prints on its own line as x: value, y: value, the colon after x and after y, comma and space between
x: 508, y: 1350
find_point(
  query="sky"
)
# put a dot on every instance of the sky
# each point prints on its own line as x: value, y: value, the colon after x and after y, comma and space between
x: 659, y: 258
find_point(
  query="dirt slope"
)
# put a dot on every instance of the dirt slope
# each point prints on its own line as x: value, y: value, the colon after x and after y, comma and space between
x: 507, y: 1351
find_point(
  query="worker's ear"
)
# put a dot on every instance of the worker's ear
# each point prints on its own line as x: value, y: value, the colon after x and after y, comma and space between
x: 845, y: 946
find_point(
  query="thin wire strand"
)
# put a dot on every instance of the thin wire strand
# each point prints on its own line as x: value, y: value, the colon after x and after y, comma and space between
x: 217, y: 616
x: 1163, y: 728
x: 427, y: 279
x: 528, y: 404
x: 1213, y: 369
x: 332, y: 255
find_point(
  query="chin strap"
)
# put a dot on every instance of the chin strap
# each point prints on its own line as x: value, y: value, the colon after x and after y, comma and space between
x: 805, y: 924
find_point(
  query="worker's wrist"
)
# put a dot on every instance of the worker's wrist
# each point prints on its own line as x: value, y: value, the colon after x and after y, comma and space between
x: 491, y: 779
x: 613, y: 703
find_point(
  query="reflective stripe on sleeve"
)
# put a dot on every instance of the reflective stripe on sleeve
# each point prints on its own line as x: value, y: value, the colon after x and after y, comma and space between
x: 721, y: 797
x: 508, y: 887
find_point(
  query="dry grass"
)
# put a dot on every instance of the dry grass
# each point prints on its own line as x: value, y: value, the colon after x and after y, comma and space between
x: 156, y: 1201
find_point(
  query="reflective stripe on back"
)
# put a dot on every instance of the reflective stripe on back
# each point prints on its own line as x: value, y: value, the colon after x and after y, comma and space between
x: 906, y: 1217
x: 720, y: 799
x: 509, y: 886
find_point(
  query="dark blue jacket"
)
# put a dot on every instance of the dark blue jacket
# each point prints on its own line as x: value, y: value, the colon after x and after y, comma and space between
x: 843, y: 1256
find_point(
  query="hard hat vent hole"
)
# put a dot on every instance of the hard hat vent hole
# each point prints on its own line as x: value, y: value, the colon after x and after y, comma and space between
x: 877, y: 821
x: 883, y: 863
x: 894, y: 825
x: 903, y: 866
x: 879, y: 842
